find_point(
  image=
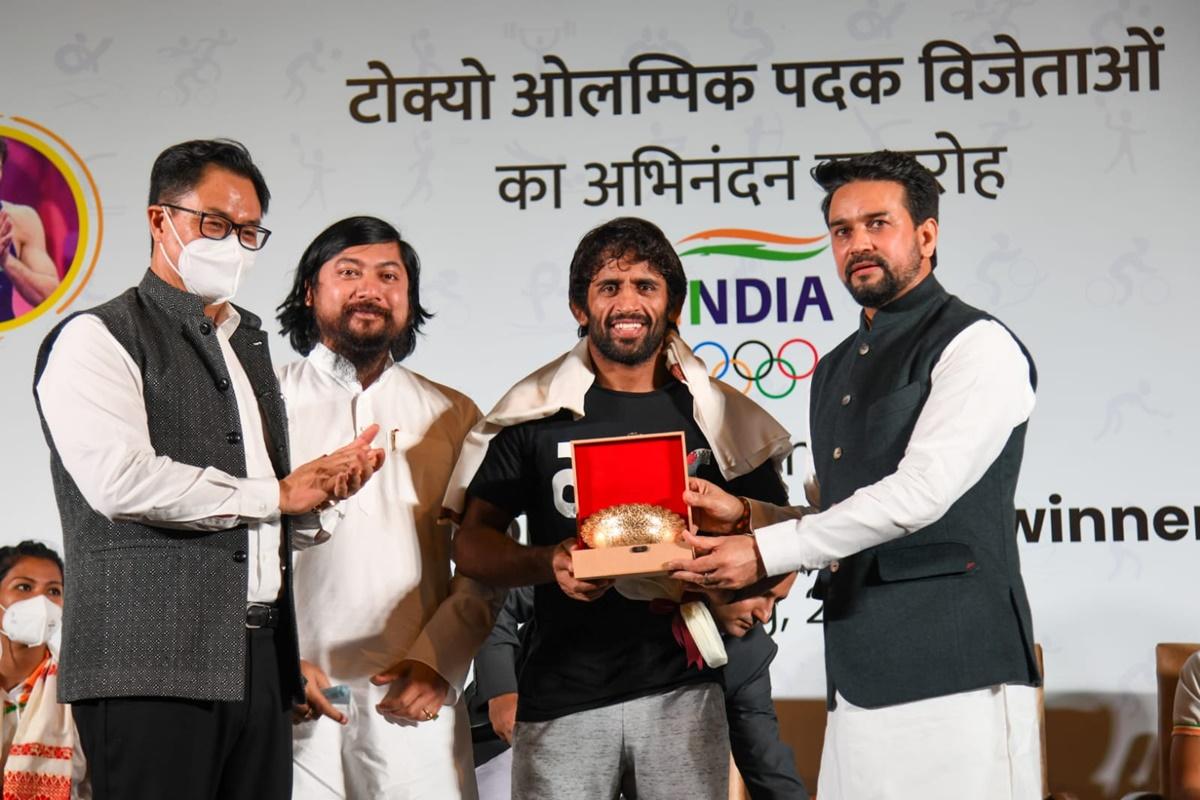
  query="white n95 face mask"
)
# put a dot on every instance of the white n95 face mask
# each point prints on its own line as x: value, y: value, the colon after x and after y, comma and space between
x: 34, y: 621
x: 211, y: 269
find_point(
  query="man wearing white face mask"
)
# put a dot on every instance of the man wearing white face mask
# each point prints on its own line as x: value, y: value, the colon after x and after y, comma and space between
x: 212, y: 266
x: 169, y: 453
x: 39, y: 751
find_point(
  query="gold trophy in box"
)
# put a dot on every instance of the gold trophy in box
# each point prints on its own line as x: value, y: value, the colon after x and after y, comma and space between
x: 631, y: 524
x: 630, y: 513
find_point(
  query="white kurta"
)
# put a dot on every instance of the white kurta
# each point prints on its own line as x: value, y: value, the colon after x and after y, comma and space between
x: 380, y: 588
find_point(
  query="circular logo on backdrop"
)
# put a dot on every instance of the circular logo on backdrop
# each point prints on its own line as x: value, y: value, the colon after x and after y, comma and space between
x: 50, y: 222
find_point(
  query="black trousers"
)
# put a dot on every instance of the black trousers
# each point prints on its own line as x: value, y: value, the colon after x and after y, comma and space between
x: 155, y: 748
x: 768, y: 766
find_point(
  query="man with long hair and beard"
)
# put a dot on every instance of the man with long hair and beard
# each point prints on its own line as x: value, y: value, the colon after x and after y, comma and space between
x: 607, y: 698
x: 384, y: 627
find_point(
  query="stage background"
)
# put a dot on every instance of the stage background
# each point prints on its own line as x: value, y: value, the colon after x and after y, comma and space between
x: 1086, y: 250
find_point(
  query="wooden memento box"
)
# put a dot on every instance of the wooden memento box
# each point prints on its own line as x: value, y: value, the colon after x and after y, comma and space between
x: 646, y: 469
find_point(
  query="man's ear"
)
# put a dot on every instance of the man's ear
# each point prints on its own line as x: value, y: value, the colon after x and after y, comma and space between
x: 308, y: 294
x: 927, y: 236
x: 156, y: 219
x: 580, y: 315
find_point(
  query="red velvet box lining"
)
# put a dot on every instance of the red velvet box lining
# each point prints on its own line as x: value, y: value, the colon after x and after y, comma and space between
x: 631, y: 469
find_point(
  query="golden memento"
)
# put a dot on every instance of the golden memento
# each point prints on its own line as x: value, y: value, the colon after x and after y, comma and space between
x: 632, y: 524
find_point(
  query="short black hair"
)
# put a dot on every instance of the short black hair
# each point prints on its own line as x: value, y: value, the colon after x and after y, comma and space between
x: 3, y: 150
x: 920, y: 186
x: 296, y: 318
x: 181, y: 166
x: 11, y: 554
x: 627, y: 240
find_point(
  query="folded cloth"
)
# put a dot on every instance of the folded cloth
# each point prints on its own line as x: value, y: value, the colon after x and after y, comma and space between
x: 694, y: 627
x: 44, y: 761
x: 741, y: 434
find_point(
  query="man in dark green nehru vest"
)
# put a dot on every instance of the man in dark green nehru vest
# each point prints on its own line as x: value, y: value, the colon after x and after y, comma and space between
x: 918, y: 426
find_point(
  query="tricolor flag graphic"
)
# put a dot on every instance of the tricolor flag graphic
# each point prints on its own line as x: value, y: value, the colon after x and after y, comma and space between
x: 748, y: 243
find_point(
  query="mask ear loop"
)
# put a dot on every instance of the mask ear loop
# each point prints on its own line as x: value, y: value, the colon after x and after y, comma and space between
x: 178, y: 238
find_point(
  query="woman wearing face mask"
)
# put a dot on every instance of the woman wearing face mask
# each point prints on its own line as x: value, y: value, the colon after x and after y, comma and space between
x: 39, y: 753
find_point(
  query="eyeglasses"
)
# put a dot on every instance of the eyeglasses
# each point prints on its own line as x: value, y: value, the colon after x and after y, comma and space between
x: 215, y: 226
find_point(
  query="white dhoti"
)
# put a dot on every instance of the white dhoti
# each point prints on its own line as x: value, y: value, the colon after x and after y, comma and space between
x: 373, y: 758
x: 984, y: 745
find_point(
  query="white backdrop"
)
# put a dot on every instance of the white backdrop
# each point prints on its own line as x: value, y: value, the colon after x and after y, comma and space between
x: 1086, y: 250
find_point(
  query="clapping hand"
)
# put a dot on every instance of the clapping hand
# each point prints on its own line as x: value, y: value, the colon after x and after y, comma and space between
x: 331, y: 477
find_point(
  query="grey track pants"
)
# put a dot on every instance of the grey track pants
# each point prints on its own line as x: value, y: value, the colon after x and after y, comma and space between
x: 661, y: 747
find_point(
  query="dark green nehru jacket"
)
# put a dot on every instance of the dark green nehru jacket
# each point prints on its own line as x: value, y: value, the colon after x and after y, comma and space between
x: 942, y: 610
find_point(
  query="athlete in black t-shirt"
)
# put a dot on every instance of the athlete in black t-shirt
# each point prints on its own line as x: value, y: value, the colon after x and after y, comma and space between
x: 606, y: 698
x: 584, y: 655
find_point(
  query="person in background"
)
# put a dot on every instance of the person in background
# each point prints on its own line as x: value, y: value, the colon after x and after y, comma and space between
x: 766, y: 763
x: 492, y: 696
x: 39, y: 751
x: 1185, y: 733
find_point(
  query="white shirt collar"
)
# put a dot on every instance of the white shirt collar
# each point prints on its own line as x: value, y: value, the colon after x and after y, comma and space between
x: 228, y: 319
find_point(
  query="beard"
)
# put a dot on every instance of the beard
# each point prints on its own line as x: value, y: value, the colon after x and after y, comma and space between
x: 891, y: 283
x: 600, y: 334
x: 358, y: 347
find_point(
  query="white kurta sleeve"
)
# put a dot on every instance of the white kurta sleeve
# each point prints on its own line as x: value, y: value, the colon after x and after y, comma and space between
x: 91, y: 397
x: 980, y: 390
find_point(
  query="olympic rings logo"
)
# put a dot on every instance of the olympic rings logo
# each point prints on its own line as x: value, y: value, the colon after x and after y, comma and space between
x: 805, y: 355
